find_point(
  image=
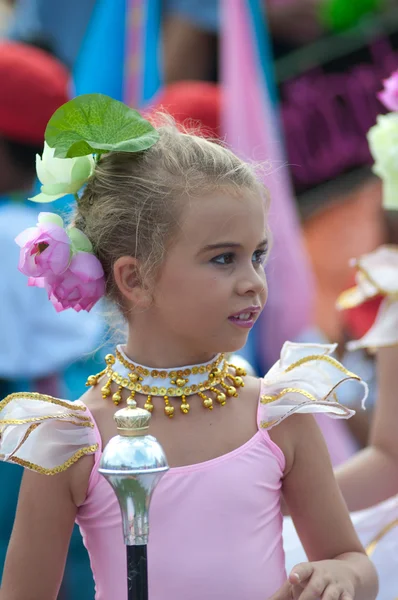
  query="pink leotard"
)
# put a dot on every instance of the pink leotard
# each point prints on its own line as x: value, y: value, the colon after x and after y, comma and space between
x: 216, y: 526
x: 215, y: 529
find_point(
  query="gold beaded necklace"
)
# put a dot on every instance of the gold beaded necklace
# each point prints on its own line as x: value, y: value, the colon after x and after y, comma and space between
x: 210, y: 381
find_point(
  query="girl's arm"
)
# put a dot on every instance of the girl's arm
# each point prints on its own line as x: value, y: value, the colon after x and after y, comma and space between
x: 43, y: 526
x: 340, y: 568
x: 371, y: 476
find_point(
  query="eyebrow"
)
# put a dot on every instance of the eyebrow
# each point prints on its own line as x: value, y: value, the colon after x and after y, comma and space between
x: 222, y: 245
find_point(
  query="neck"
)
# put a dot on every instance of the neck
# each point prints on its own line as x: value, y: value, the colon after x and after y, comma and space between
x: 162, y: 353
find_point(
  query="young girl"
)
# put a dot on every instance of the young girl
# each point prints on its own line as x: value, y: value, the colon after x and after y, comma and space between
x: 180, y: 231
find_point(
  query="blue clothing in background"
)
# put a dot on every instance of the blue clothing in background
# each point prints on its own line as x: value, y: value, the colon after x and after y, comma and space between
x: 60, y: 24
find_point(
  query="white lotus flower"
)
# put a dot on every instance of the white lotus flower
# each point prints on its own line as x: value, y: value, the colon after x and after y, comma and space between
x: 383, y: 143
x: 61, y: 176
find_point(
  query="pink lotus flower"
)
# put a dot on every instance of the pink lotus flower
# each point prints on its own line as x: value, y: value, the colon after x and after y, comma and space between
x: 389, y: 96
x: 45, y: 249
x: 80, y: 287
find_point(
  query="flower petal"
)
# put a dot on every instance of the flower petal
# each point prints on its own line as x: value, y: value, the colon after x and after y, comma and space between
x: 82, y: 169
x: 26, y: 236
x: 55, y: 188
x: 39, y: 282
x: 43, y: 174
x: 80, y: 242
x: 50, y: 231
x: 46, y: 197
x: 58, y: 260
x: 86, y: 266
x: 49, y: 217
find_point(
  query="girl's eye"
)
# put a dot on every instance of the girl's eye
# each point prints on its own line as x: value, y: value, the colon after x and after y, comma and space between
x: 259, y: 256
x: 224, y: 259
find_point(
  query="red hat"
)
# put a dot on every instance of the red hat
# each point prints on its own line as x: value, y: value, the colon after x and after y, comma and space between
x: 359, y: 320
x: 33, y: 86
x: 195, y: 101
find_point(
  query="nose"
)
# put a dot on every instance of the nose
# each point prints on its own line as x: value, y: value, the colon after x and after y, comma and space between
x: 252, y: 283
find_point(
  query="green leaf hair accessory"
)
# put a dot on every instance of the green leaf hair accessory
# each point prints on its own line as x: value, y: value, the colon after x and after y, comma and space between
x: 89, y: 124
x: 96, y: 124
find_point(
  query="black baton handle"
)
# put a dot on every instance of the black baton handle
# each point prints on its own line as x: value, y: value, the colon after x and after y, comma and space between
x: 137, y: 573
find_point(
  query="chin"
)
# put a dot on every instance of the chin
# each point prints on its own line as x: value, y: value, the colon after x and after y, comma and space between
x: 233, y: 345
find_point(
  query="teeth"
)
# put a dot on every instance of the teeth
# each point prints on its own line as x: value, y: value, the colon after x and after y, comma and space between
x: 244, y: 316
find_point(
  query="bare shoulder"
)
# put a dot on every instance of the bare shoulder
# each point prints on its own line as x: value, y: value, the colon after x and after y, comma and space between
x: 289, y: 434
x: 102, y: 411
x: 250, y: 394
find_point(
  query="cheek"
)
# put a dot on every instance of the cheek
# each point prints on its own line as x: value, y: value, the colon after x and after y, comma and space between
x: 264, y: 293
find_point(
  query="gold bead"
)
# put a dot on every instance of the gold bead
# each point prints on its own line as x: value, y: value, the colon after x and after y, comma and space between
x: 92, y: 380
x: 185, y: 408
x: 240, y: 371
x: 208, y: 403
x: 110, y: 359
x: 239, y: 382
x: 181, y: 382
x: 169, y: 410
x: 216, y: 373
x: 148, y: 405
x: 133, y: 377
x: 131, y: 397
x: 106, y: 390
x: 117, y: 398
x: 221, y: 399
x: 231, y: 391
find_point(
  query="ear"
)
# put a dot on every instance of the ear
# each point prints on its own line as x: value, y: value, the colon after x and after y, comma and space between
x: 126, y: 272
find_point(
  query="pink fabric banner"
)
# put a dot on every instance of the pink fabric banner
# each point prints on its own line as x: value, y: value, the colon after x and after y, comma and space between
x: 249, y: 127
x: 135, y: 20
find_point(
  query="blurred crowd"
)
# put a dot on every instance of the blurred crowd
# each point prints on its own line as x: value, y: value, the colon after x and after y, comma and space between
x: 321, y: 50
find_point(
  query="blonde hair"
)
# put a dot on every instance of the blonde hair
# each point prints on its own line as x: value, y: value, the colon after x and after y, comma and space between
x: 131, y: 203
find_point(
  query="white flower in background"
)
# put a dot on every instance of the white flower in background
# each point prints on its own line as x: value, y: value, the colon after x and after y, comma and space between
x: 61, y: 176
x: 383, y: 143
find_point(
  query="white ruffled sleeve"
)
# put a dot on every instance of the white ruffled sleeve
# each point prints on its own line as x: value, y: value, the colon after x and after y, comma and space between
x: 44, y: 434
x: 377, y: 275
x: 305, y: 379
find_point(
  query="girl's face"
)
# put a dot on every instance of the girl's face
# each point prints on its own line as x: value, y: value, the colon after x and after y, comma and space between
x: 212, y: 287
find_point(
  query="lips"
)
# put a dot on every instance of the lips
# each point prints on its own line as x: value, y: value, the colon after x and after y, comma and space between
x: 245, y: 318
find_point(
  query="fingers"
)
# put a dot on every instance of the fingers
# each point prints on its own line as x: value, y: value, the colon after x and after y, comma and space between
x: 301, y: 573
x: 316, y: 589
x: 334, y: 592
x: 284, y: 593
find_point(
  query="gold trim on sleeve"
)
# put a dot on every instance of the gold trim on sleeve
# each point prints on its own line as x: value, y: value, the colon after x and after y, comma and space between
x: 324, y: 357
x: 267, y: 399
x: 60, y: 468
x: 43, y: 398
x: 371, y: 547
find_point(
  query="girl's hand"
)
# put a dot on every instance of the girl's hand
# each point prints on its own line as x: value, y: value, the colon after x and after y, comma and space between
x: 323, y: 580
